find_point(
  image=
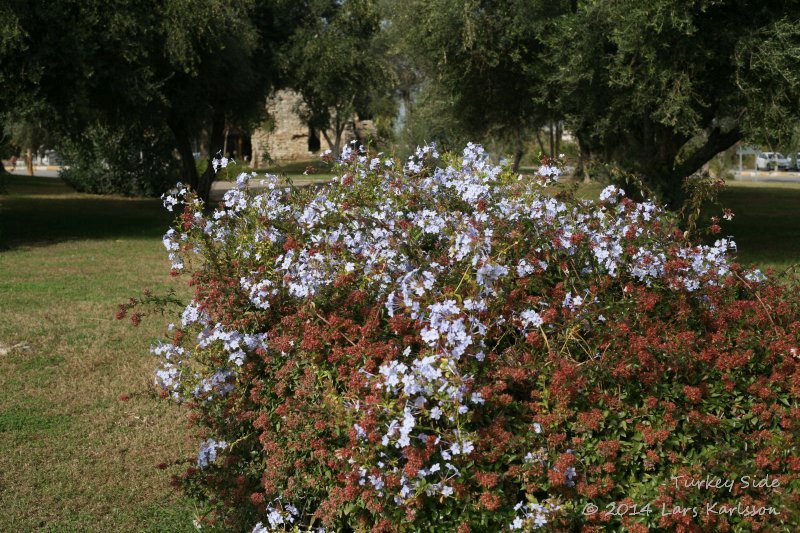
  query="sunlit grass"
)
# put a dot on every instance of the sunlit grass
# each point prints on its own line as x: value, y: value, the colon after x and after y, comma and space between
x: 73, y: 456
x: 766, y: 225
x: 299, y: 173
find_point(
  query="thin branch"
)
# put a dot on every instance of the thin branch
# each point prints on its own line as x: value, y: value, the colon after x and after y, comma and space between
x: 329, y: 325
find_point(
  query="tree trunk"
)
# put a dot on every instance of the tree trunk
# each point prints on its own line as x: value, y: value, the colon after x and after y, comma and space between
x: 2, y: 139
x: 254, y: 159
x: 338, y: 130
x: 518, y: 150
x: 184, y: 145
x: 215, y: 145
x: 583, y: 161
x: 335, y: 143
x: 361, y: 142
x: 552, y: 140
x: 202, y: 144
x: 670, y: 178
x: 328, y: 140
x: 558, y: 138
x: 338, y: 140
x: 539, y: 140
x: 29, y: 161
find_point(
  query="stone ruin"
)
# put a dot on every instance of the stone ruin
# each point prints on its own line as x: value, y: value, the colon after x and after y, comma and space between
x: 290, y: 138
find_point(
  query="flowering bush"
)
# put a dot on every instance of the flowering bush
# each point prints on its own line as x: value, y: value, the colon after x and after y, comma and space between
x: 444, y: 345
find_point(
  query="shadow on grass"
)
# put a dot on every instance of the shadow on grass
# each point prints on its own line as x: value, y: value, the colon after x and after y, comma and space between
x: 766, y: 227
x: 39, y: 211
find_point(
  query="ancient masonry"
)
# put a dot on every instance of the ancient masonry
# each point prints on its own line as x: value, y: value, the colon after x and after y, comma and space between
x: 290, y: 138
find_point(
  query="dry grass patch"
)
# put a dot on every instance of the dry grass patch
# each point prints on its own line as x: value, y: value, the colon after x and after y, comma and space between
x: 73, y: 455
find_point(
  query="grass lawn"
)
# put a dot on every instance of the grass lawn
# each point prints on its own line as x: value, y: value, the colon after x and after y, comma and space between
x: 291, y: 172
x: 296, y: 168
x: 766, y: 225
x: 73, y: 456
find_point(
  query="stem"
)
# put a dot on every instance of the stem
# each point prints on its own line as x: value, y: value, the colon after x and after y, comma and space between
x: 546, y: 341
x: 329, y: 325
x: 240, y: 439
x: 764, y: 305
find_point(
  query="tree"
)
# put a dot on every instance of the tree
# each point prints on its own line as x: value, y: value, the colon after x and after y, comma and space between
x: 210, y: 74
x: 660, y: 87
x: 486, y: 59
x: 332, y: 63
x: 18, y: 97
x: 9, y: 39
x: 189, y: 65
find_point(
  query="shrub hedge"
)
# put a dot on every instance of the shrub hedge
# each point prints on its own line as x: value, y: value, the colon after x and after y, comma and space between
x: 443, y: 345
x: 102, y: 161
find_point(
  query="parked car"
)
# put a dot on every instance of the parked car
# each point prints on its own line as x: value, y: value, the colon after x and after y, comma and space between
x: 797, y: 161
x: 783, y: 162
x: 765, y: 161
x: 772, y: 161
x: 51, y: 157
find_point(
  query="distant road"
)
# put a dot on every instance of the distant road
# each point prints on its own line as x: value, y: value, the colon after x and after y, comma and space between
x: 220, y: 187
x: 43, y: 173
x: 773, y: 176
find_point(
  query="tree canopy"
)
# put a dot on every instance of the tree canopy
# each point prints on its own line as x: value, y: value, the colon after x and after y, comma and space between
x: 185, y: 65
x: 333, y: 62
x: 486, y: 59
x: 654, y: 88
x: 660, y: 87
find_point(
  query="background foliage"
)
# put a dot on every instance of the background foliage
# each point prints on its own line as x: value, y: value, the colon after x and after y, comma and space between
x: 655, y: 89
x: 106, y: 161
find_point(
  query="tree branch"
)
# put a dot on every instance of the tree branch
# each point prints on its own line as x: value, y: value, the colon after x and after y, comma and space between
x: 328, y: 140
x: 717, y: 141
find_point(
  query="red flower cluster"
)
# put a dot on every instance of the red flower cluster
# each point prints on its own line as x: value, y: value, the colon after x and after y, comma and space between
x: 537, y: 356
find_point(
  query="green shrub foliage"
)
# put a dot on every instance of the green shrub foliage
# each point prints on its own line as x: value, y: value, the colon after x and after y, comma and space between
x: 443, y: 345
x: 123, y: 160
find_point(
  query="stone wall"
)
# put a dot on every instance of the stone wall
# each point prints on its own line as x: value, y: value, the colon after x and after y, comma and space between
x: 288, y: 140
